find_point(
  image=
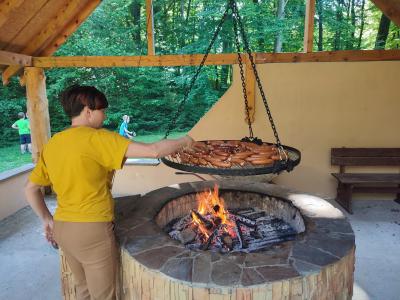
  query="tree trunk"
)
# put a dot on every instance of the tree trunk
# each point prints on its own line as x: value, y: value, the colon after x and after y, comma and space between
x: 188, y: 10
x: 361, y: 25
x: 280, y: 16
x: 383, y: 32
x: 339, y: 20
x: 135, y: 12
x: 351, y: 41
x: 320, y: 24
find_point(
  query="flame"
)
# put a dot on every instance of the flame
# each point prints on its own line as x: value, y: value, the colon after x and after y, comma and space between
x: 211, y: 206
x: 200, y: 225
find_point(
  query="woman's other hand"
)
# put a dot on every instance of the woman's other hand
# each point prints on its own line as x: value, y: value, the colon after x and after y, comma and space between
x: 48, y: 226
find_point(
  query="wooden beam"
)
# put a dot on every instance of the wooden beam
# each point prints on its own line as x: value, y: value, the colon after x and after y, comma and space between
x: 38, y: 109
x: 6, y: 7
x: 250, y: 90
x: 150, y: 27
x: 134, y: 61
x: 309, y: 26
x: 391, y: 8
x: 10, y: 58
x: 213, y: 59
x: 328, y: 56
x: 41, y: 40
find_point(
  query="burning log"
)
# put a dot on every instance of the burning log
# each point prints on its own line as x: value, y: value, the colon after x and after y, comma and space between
x: 246, y: 221
x: 239, y: 235
x: 207, y: 224
x: 207, y: 244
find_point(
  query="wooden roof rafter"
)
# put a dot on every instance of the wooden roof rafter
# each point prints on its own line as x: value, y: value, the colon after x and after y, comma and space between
x: 55, y: 33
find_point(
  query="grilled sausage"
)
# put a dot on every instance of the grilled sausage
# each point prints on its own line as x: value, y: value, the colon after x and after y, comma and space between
x: 238, y: 161
x: 218, y: 163
x: 262, y: 161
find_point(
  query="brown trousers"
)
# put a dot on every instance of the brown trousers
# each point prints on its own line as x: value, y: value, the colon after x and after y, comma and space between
x: 91, y: 252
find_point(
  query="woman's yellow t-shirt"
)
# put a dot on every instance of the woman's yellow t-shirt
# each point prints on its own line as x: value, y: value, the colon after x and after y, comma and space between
x: 79, y: 163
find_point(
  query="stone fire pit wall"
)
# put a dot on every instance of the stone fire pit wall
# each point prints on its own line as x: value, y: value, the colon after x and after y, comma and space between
x: 319, y: 264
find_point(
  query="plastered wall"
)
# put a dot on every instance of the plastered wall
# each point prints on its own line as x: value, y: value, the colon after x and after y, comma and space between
x: 12, y: 196
x: 316, y: 106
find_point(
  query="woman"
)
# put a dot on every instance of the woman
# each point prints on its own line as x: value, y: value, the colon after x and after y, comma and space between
x: 79, y: 163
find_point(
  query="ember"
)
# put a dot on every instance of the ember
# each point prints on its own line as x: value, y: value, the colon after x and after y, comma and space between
x: 212, y: 227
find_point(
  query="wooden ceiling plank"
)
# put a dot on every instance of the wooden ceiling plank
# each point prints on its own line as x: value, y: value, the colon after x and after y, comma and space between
x: 70, y: 28
x: 391, y: 8
x: 52, y: 28
x: 213, y: 59
x: 6, y: 7
x: 10, y: 58
x: 25, y: 20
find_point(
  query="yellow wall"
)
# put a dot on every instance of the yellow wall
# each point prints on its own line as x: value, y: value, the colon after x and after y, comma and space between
x: 316, y: 106
x: 12, y: 196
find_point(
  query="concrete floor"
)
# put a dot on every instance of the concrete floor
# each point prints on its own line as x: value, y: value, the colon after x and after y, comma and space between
x: 29, y: 267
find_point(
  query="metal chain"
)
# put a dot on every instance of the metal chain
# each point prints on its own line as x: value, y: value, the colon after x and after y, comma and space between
x: 235, y: 29
x: 236, y: 18
x: 186, y: 94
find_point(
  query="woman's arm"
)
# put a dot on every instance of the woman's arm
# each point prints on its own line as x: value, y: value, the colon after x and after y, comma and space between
x: 158, y: 149
x: 35, y: 199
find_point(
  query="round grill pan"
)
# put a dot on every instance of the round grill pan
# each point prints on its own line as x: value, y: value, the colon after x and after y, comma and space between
x: 294, y: 157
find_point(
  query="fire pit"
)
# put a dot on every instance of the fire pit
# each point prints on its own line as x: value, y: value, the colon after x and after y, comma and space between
x: 211, y: 226
x: 315, y: 260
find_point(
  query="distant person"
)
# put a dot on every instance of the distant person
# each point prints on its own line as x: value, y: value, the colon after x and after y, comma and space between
x: 123, y: 128
x: 24, y: 131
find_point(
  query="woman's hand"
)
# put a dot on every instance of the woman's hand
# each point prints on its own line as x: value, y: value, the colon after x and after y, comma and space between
x: 48, y: 226
x: 188, y: 140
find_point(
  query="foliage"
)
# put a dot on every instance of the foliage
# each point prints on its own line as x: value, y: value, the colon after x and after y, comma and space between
x: 151, y: 95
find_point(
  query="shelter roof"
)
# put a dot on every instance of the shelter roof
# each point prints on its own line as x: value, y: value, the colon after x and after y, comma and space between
x: 40, y: 27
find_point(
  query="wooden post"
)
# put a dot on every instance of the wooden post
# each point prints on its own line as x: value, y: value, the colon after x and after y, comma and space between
x: 150, y: 27
x: 309, y: 26
x: 250, y: 89
x: 38, y: 110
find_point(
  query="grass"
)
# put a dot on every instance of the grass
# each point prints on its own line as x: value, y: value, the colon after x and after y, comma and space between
x: 11, y: 156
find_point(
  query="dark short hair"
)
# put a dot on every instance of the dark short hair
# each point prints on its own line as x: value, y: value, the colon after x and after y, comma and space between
x: 76, y: 97
x: 21, y: 115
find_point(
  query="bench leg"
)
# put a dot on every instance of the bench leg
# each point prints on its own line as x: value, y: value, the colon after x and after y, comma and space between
x: 397, y: 200
x: 344, y: 194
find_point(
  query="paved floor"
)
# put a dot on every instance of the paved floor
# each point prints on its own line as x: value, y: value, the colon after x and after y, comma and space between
x: 29, y: 267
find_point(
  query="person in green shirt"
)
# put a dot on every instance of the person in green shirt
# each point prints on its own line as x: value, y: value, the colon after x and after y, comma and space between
x: 22, y: 125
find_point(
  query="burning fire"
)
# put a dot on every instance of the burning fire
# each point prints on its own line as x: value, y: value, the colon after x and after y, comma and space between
x: 211, y: 226
x: 211, y: 214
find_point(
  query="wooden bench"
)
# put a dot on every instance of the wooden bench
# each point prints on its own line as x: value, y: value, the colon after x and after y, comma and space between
x: 349, y: 183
